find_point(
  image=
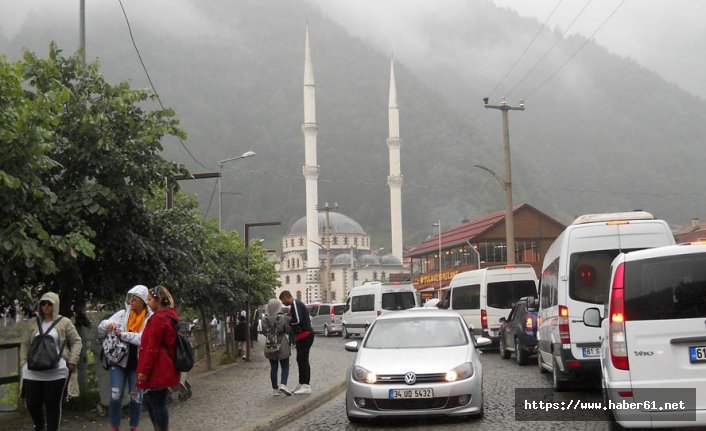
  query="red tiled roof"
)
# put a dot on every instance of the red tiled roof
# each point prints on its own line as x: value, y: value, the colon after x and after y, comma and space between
x: 461, y: 233
x: 691, y: 233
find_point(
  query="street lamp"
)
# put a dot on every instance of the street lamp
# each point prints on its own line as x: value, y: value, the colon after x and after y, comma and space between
x: 476, y: 251
x: 247, y: 266
x: 438, y: 224
x: 220, y: 193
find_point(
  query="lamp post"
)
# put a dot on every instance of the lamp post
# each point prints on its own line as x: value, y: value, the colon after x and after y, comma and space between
x: 220, y: 193
x: 438, y: 224
x: 247, y: 266
x: 476, y: 252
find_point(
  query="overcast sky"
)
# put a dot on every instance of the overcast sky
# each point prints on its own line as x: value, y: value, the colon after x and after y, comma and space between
x: 667, y: 36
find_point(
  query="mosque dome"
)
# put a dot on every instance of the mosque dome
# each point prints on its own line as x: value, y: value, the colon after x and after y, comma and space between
x: 369, y: 259
x: 340, y: 224
x: 390, y: 260
x: 343, y: 259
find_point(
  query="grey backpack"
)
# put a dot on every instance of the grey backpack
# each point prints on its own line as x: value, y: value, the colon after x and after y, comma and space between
x: 273, y: 339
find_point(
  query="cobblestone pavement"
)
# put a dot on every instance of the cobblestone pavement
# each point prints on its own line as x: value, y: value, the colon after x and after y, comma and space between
x: 500, y: 379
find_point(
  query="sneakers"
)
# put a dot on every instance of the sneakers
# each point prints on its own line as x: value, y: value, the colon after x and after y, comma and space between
x: 277, y: 393
x: 302, y: 390
x: 285, y: 390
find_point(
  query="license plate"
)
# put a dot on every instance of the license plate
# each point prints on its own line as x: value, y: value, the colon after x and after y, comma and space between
x: 697, y: 354
x: 591, y: 352
x: 396, y: 394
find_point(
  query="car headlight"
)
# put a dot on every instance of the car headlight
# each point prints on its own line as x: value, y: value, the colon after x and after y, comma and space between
x: 463, y: 371
x: 362, y: 375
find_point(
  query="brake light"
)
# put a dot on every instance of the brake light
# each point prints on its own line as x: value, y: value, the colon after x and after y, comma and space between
x: 529, y: 324
x: 618, y: 343
x: 564, y: 325
x: 483, y: 320
x: 332, y: 314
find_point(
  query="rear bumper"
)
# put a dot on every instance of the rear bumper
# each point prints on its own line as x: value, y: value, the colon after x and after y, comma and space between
x: 572, y: 369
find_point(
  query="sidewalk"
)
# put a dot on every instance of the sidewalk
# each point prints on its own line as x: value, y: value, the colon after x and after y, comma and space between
x: 239, y: 396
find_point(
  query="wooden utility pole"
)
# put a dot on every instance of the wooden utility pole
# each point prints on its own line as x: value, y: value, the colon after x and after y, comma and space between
x: 507, y: 176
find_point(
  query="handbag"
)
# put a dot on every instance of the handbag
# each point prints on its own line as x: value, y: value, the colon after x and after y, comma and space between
x: 113, y: 351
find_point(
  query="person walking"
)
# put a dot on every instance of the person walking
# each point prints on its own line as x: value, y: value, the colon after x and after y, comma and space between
x: 276, y: 329
x: 43, y: 386
x: 156, y: 372
x: 239, y: 335
x: 303, y: 337
x: 127, y: 324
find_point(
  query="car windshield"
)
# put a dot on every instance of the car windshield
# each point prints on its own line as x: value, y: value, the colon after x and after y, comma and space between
x: 417, y: 332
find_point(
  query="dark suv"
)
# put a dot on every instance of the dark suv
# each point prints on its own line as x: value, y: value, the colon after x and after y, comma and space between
x: 518, y: 332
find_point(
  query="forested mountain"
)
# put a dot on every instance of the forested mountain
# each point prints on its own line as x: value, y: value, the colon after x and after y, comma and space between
x: 604, y: 134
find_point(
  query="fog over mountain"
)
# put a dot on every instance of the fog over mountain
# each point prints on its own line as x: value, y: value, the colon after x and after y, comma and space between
x: 600, y: 132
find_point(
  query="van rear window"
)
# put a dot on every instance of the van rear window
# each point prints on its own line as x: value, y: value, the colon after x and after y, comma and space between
x: 397, y: 300
x: 671, y: 287
x: 589, y: 275
x: 339, y: 309
x: 504, y: 294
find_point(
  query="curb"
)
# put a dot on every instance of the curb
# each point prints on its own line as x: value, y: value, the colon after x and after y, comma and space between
x: 292, y: 413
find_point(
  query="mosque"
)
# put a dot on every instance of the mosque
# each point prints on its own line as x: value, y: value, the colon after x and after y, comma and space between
x: 342, y: 248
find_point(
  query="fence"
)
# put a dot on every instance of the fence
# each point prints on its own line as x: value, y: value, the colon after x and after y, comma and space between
x: 9, y: 375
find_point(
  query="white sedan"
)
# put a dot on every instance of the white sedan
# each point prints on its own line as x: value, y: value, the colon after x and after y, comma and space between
x: 420, y: 361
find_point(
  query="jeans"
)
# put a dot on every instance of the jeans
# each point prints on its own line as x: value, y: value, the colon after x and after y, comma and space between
x: 273, y: 371
x: 119, y: 376
x: 155, y: 401
x: 39, y: 395
x: 303, y: 348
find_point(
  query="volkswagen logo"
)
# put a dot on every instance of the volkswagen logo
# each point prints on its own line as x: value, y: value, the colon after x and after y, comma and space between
x: 410, y: 378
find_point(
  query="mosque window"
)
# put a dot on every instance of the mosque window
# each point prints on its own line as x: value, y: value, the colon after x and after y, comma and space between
x: 382, y: 276
x: 298, y: 263
x: 299, y: 279
x: 375, y: 276
x: 335, y: 240
x: 333, y: 276
x: 289, y: 263
x: 333, y: 295
x: 286, y: 280
x: 291, y: 242
x: 355, y: 275
x: 301, y: 241
x: 355, y: 241
x: 299, y: 295
x: 345, y: 240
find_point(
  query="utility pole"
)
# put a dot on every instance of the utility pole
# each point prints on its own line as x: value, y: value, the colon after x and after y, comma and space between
x: 507, y: 176
x: 171, y: 181
x: 82, y: 31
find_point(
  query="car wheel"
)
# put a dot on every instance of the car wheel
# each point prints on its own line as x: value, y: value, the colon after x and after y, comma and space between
x: 345, y: 333
x: 502, y: 349
x: 326, y: 332
x: 542, y: 370
x: 559, y: 385
x: 520, y: 354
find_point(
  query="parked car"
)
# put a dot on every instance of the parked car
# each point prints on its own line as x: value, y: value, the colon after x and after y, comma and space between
x: 653, y: 335
x: 371, y: 299
x: 417, y: 362
x: 575, y: 275
x: 518, y: 332
x: 326, y: 318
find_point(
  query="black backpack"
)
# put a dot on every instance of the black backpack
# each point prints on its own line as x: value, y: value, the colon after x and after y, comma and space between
x: 43, y: 354
x: 273, y: 339
x: 184, y: 356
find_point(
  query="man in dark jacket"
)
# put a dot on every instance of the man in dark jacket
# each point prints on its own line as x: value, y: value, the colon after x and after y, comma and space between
x: 304, y: 338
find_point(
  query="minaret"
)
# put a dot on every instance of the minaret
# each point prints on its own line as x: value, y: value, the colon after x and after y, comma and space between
x: 311, y: 175
x: 394, y: 180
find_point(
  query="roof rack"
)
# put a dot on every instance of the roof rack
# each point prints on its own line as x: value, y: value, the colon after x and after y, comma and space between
x: 630, y: 215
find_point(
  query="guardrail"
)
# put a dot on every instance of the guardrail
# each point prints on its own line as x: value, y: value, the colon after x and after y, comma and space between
x: 10, y: 379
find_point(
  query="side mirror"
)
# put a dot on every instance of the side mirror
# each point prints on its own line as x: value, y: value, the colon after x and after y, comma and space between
x: 351, y: 346
x: 483, y: 342
x: 501, y: 320
x: 592, y: 317
x: 532, y: 304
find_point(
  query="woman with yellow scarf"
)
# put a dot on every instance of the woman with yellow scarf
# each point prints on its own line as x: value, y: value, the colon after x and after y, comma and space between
x: 128, y: 325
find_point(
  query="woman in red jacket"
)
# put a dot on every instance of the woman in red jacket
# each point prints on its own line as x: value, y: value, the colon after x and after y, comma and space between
x: 155, y: 364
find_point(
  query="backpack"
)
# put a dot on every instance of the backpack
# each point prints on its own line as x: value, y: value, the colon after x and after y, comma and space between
x: 43, y: 354
x: 113, y: 351
x: 273, y: 339
x: 184, y: 356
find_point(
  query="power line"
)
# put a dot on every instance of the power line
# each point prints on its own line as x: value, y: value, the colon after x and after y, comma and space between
x: 578, y: 50
x: 149, y: 79
x: 539, y: 31
x: 558, y: 39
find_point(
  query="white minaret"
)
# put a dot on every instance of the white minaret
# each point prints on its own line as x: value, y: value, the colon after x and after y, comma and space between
x: 394, y: 180
x: 311, y: 175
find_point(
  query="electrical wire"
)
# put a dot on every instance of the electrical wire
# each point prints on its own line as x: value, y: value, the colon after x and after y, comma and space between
x: 551, y: 48
x: 539, y: 31
x: 577, y: 51
x: 149, y: 79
